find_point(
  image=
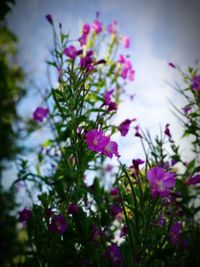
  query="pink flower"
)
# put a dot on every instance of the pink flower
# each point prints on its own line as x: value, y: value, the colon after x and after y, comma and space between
x: 193, y: 180
x: 97, y: 26
x: 86, y: 29
x: 40, y: 113
x: 131, y: 75
x: 96, y: 141
x: 124, y: 127
x: 87, y: 61
x: 111, y: 149
x: 174, y: 235
x: 112, y: 28
x: 161, y: 181
x: 70, y: 51
x: 126, y: 41
x: 122, y: 59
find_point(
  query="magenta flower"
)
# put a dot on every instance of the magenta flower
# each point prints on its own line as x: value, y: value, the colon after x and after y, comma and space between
x: 86, y: 29
x: 126, y: 41
x: 110, y: 149
x: 58, y: 224
x: 115, y: 255
x: 196, y: 83
x: 112, y: 28
x: 174, y: 235
x: 161, y: 181
x: 70, y: 52
x: 186, y: 109
x: 97, y: 26
x: 40, y: 114
x: 49, y: 18
x: 24, y: 215
x: 122, y: 59
x: 124, y: 127
x: 171, y: 65
x: 96, y: 141
x: 193, y: 180
x: 72, y: 209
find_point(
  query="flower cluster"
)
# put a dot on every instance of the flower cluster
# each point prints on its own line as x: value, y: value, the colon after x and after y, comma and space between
x: 127, y: 70
x: 98, y: 142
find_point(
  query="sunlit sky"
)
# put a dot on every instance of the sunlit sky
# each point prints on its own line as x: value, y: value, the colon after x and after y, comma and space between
x: 161, y: 31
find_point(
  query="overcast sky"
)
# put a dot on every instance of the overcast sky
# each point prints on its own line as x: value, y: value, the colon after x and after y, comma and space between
x: 161, y: 31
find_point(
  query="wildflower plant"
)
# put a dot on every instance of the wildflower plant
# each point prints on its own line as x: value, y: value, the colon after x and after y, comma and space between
x: 148, y: 216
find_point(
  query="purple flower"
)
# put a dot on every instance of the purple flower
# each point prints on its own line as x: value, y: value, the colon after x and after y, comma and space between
x: 108, y: 167
x: 97, y: 26
x: 110, y: 149
x: 186, y: 109
x: 174, y: 235
x: 96, y: 234
x: 107, y: 100
x: 115, y: 255
x: 49, y: 18
x: 137, y: 131
x: 171, y: 65
x: 70, y: 52
x: 112, y: 28
x: 40, y: 113
x: 161, y: 181
x: 58, y: 224
x: 86, y: 29
x: 96, y: 141
x: 168, y: 133
x: 83, y: 39
x: 196, y: 83
x: 115, y: 210
x: 24, y: 215
x: 126, y: 41
x: 87, y: 61
x: 124, y: 230
x: 72, y: 209
x: 193, y: 180
x: 114, y: 191
x: 107, y: 96
x: 136, y: 164
x: 124, y: 127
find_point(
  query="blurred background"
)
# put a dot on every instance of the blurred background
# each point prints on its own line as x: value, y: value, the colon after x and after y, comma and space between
x: 160, y: 32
